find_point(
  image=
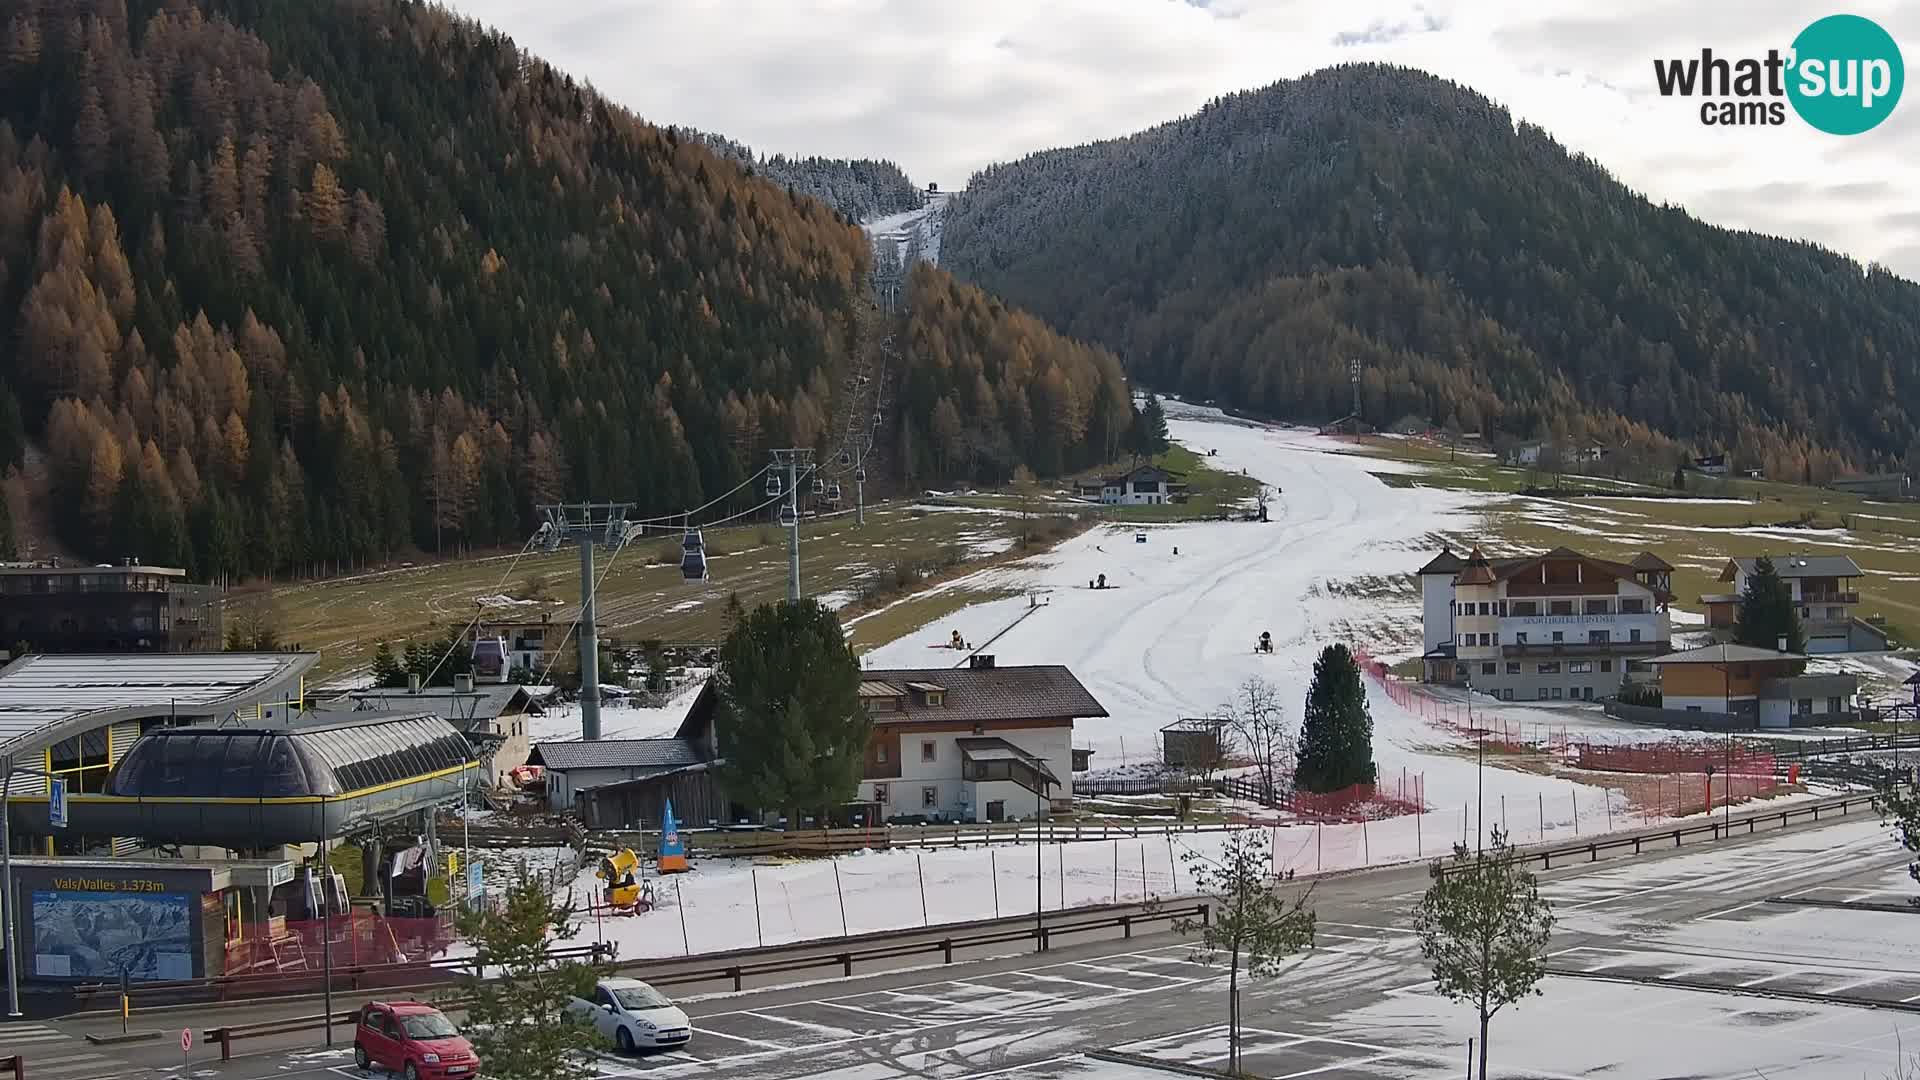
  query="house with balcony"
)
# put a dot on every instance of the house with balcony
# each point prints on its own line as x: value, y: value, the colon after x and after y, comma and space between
x: 1561, y: 626
x: 978, y: 743
x: 1740, y: 686
x: 1824, y: 589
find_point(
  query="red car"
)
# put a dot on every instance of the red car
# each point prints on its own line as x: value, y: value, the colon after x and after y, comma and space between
x: 416, y: 1041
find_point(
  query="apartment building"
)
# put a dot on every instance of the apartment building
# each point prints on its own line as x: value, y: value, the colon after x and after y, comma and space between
x: 1824, y: 588
x: 1562, y: 626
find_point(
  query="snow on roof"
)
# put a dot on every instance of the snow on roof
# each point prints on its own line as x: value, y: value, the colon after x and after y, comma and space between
x: 672, y: 753
x: 39, y: 693
x: 1804, y: 566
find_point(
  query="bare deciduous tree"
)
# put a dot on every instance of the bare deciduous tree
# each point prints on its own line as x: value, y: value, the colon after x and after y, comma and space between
x: 1259, y: 722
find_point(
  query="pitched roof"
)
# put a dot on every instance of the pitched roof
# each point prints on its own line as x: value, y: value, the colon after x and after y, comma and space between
x: 1504, y: 569
x: 485, y: 702
x: 989, y: 748
x: 1802, y: 566
x: 1647, y: 560
x: 616, y: 754
x: 1477, y: 571
x: 1724, y: 654
x: 45, y: 698
x: 1037, y: 692
x: 1444, y: 563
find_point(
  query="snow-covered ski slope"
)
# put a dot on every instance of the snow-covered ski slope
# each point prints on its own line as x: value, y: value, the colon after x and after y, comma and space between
x: 913, y: 234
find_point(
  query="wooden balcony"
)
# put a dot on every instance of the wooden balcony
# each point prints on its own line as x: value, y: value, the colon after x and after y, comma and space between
x: 1830, y: 598
x: 1586, y: 648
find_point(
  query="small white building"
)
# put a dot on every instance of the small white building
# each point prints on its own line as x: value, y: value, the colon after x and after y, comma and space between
x: 1144, y: 485
x: 979, y: 743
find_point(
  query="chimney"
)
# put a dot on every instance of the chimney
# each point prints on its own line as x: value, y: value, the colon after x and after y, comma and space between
x: 463, y: 683
x: 980, y: 661
x: 413, y: 682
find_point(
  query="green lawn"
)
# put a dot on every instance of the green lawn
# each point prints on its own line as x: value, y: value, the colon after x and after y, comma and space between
x: 1620, y: 519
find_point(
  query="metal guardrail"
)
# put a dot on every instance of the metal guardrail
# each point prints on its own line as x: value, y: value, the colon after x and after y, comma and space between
x: 726, y: 844
x: 347, y: 978
x: 739, y: 971
x: 1641, y: 841
x: 1805, y: 749
x: 845, y: 959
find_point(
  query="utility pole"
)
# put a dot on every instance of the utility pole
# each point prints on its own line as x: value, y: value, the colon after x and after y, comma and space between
x: 587, y: 524
x: 797, y: 463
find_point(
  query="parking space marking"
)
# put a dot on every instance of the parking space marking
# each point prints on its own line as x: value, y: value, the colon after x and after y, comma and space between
x: 1125, y: 971
x: 1051, y: 998
x: 1071, y: 982
x: 823, y: 1029
x: 1769, y: 977
x: 740, y: 1039
x: 915, y: 1021
x: 1347, y: 1064
x: 1245, y: 1051
x: 1851, y: 983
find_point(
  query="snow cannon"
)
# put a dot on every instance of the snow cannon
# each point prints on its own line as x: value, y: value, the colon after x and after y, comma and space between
x: 620, y: 871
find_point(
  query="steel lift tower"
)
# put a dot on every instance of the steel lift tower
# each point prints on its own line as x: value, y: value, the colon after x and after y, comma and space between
x: 587, y: 524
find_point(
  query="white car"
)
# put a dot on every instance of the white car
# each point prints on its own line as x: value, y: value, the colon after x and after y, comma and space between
x: 634, y: 1016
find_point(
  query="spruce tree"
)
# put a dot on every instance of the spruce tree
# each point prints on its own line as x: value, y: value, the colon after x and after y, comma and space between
x: 1336, y: 733
x: 790, y: 725
x: 1153, y: 425
x: 387, y: 672
x: 1767, y: 613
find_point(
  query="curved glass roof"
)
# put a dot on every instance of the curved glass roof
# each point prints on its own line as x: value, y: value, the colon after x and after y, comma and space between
x: 268, y: 763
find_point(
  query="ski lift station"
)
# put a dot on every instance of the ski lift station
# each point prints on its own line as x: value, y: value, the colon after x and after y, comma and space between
x: 194, y: 784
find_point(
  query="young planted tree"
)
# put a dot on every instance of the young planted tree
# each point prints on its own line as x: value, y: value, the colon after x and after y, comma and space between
x: 1260, y: 724
x: 1767, y: 613
x: 1484, y: 926
x: 518, y: 995
x: 1899, y: 807
x: 387, y: 672
x: 790, y: 725
x: 1336, y: 731
x: 1253, y: 925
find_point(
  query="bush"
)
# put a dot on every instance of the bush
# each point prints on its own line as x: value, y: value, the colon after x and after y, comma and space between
x: 1642, y: 694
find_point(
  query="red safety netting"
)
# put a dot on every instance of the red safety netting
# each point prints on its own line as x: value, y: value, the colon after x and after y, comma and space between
x: 1661, y: 779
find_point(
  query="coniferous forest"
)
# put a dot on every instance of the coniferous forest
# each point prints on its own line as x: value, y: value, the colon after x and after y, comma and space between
x: 1478, y: 273
x: 291, y: 287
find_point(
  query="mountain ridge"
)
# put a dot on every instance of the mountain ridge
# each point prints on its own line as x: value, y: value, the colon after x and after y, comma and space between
x: 1657, y: 323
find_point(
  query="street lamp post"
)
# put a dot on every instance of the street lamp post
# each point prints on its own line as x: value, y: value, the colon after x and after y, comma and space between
x: 1039, y: 875
x: 1480, y: 775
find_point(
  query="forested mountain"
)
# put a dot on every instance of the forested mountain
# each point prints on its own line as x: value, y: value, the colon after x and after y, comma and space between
x: 1475, y: 269
x: 861, y: 189
x: 291, y: 286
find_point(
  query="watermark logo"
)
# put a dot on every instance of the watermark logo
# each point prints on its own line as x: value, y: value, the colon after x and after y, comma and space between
x: 1843, y: 75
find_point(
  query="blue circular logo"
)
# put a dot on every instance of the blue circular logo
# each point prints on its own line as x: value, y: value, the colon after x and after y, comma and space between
x: 1847, y: 75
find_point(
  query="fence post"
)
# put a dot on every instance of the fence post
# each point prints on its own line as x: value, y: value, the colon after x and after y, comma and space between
x: 1126, y: 925
x: 226, y: 1047
x: 846, y: 964
x: 735, y: 972
x: 1206, y: 914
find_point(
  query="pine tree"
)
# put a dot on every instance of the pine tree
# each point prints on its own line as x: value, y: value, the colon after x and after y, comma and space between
x: 790, y: 725
x: 1767, y: 614
x: 387, y: 672
x: 1336, y: 731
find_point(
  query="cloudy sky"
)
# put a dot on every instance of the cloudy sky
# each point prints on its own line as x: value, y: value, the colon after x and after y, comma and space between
x: 944, y: 88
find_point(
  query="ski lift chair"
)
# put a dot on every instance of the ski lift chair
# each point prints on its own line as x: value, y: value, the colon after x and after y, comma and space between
x: 693, y: 556
x: 860, y: 475
x: 819, y: 486
x: 787, y: 518
x: 773, y: 486
x: 846, y: 459
x: 833, y: 491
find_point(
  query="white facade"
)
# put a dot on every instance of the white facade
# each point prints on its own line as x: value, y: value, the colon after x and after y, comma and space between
x: 1436, y: 610
x: 931, y: 781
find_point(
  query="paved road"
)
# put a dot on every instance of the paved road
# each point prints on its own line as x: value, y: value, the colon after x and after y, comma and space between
x: 1358, y: 1006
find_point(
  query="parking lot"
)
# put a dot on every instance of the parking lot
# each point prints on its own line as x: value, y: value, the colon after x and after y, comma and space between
x: 741, y: 1036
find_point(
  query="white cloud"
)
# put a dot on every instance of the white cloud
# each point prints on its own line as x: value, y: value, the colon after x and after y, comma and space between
x: 945, y: 88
